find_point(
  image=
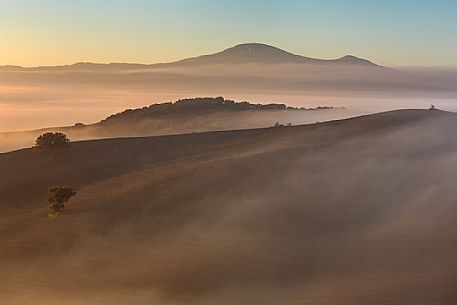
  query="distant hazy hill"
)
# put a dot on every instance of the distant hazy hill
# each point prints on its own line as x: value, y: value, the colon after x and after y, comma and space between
x: 195, y: 107
x: 255, y: 53
x: 182, y: 116
x: 265, y: 54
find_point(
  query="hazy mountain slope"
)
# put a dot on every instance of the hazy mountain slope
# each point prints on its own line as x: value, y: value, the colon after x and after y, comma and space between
x: 265, y: 54
x: 239, y: 54
x: 334, y: 213
x: 253, y: 67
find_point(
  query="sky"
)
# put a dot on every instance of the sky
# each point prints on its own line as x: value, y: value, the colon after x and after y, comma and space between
x: 389, y: 32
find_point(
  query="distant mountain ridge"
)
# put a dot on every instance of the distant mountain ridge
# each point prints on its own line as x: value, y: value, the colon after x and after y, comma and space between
x: 263, y: 53
x: 253, y: 69
x: 240, y: 54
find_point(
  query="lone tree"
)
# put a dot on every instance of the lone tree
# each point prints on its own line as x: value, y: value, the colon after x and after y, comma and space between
x: 57, y: 197
x: 52, y: 141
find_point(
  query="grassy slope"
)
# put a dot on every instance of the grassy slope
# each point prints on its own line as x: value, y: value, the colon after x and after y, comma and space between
x: 358, y: 211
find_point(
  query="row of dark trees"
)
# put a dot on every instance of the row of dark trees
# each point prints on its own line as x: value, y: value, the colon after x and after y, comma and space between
x: 190, y: 106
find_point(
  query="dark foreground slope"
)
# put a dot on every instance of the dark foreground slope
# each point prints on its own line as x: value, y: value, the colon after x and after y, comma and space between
x: 360, y: 211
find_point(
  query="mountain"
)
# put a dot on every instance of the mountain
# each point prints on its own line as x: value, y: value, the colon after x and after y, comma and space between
x: 252, y: 68
x: 256, y: 53
x: 266, y: 54
x: 292, y: 215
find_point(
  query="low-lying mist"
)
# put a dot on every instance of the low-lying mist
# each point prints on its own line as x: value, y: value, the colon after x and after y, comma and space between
x: 46, y: 97
x: 292, y: 215
x: 176, y: 124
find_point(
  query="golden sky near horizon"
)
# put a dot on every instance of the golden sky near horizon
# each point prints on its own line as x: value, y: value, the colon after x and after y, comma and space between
x: 391, y: 33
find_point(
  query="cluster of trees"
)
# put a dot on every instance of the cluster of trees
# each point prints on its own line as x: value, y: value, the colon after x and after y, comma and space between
x: 191, y: 106
x: 196, y: 106
x: 310, y: 109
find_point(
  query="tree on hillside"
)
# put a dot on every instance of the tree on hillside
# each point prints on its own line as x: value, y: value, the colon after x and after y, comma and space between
x: 52, y: 141
x: 57, y: 197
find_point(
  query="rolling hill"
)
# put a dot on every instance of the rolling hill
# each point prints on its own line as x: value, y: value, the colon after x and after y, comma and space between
x: 329, y: 213
x: 182, y: 116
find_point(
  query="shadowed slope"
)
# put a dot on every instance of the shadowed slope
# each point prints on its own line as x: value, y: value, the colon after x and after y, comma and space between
x: 359, y: 211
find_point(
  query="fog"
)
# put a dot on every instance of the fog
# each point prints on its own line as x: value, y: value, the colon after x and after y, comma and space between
x: 176, y: 123
x: 293, y: 215
x: 53, y: 96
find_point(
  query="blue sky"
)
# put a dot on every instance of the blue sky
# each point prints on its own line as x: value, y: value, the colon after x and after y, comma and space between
x: 395, y: 33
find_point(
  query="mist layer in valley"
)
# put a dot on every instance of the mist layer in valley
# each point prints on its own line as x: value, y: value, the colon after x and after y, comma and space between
x: 359, y: 211
x: 32, y: 98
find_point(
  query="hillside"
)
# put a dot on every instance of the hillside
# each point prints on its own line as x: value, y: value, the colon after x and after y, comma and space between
x: 182, y: 116
x: 330, y: 213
